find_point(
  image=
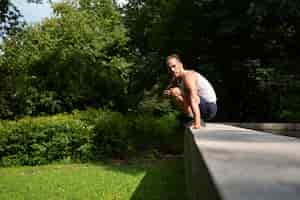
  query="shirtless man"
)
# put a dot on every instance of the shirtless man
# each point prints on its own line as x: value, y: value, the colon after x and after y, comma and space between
x: 192, y: 92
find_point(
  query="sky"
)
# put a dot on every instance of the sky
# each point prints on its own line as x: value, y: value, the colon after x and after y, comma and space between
x: 34, y: 13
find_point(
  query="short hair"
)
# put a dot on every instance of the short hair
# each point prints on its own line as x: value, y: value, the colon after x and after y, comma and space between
x: 176, y: 56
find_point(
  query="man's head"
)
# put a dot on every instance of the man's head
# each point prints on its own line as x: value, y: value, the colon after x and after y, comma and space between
x: 174, y: 64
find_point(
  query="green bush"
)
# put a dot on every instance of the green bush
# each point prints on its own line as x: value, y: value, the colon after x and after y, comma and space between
x: 113, y: 136
x: 84, y: 135
x: 119, y: 135
x: 158, y: 133
x: 33, y: 141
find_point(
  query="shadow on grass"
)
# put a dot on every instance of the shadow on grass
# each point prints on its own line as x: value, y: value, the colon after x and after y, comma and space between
x: 164, y: 181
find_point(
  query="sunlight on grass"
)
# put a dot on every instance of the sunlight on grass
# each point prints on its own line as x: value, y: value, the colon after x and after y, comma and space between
x: 162, y: 179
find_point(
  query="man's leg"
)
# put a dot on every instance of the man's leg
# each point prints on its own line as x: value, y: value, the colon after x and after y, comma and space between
x: 187, y: 118
x: 181, y: 101
x: 184, y: 106
x: 208, y: 110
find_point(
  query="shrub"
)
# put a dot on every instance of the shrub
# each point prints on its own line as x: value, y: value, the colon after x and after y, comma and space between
x: 157, y: 133
x: 113, y: 136
x: 84, y: 135
x: 33, y: 141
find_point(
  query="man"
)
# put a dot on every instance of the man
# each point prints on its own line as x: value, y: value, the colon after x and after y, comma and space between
x: 192, y: 92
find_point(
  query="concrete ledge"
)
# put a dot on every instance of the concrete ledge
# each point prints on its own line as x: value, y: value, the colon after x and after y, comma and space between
x: 230, y: 163
x: 269, y: 126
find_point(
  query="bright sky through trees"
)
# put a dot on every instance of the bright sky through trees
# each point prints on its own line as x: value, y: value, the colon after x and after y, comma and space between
x: 36, y: 12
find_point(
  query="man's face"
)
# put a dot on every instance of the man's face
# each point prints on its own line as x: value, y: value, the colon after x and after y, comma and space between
x: 174, y: 66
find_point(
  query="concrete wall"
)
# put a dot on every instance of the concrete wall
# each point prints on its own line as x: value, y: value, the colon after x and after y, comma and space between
x: 269, y: 126
x: 198, y: 180
x: 226, y: 162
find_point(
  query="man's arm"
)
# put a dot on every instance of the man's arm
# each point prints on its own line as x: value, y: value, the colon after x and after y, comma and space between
x: 193, y: 98
x: 171, y: 84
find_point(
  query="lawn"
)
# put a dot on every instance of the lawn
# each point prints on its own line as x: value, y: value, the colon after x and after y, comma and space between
x: 141, y: 179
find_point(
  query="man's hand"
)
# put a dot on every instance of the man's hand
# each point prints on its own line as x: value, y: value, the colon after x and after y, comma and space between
x: 196, y: 126
x: 167, y: 92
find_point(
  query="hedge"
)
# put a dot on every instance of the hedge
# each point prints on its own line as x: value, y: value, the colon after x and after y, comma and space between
x: 83, y: 136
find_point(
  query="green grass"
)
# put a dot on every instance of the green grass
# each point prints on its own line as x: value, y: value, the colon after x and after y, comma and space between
x: 138, y: 180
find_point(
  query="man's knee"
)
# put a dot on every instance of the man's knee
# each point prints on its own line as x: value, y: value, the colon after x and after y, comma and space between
x: 175, y: 92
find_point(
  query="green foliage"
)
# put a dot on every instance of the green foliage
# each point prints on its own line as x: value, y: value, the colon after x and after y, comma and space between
x: 120, y: 135
x: 243, y: 46
x: 78, y: 58
x: 11, y: 18
x: 160, y: 133
x: 33, y: 141
x: 10, y: 21
x: 85, y: 135
x: 112, y: 135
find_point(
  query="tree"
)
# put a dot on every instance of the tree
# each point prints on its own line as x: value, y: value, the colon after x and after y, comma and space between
x: 10, y: 17
x: 74, y: 60
x: 252, y: 43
